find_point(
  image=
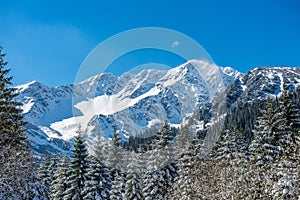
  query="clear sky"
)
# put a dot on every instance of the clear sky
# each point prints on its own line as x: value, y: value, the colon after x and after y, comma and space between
x: 48, y: 40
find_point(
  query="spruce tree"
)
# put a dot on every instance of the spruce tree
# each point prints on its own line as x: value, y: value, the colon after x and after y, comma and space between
x: 184, y: 186
x: 287, y: 168
x: 44, y: 177
x: 264, y: 151
x: 118, y: 186
x: 78, y: 169
x: 15, y: 156
x: 47, y: 170
x: 154, y: 179
x: 167, y: 154
x: 98, y: 183
x: 133, y: 186
x: 238, y: 166
x: 59, y: 184
x: 114, y: 153
x: 154, y: 185
x: 44, y: 172
x: 224, y: 154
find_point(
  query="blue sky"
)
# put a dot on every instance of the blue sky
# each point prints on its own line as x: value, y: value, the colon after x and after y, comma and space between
x: 48, y: 40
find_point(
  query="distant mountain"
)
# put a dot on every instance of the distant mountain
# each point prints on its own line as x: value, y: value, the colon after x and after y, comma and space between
x: 131, y: 103
x: 196, y: 94
x: 241, y: 102
x: 247, y: 94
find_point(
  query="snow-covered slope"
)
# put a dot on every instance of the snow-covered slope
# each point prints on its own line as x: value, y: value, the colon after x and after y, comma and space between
x: 262, y: 82
x: 239, y: 103
x: 131, y: 103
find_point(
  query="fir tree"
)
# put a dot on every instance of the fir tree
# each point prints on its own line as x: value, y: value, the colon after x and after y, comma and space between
x: 154, y: 185
x: 264, y: 151
x: 238, y: 167
x: 47, y: 170
x: 59, y: 185
x: 154, y: 179
x: 44, y: 173
x: 78, y: 169
x: 287, y: 168
x: 264, y: 147
x: 118, y: 185
x: 133, y: 186
x: 167, y: 155
x: 184, y: 186
x: 114, y: 154
x: 223, y: 154
x: 15, y: 156
x: 98, y: 183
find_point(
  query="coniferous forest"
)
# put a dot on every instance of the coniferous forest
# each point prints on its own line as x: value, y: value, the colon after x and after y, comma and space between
x: 263, y: 163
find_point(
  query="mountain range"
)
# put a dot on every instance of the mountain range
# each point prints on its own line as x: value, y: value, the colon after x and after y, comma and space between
x: 134, y: 103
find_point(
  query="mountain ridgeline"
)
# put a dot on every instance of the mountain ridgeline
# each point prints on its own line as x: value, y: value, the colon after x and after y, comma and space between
x: 196, y: 96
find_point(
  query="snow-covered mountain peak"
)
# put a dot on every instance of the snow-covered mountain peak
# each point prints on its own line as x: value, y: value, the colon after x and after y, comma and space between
x: 32, y: 84
x: 261, y: 82
x: 229, y: 71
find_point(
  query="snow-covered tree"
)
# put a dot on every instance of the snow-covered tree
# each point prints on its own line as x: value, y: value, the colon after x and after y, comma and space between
x: 264, y: 151
x: 154, y: 185
x: 47, y: 170
x: 287, y: 168
x: 154, y: 179
x: 184, y: 186
x: 239, y: 167
x: 133, y: 186
x: 15, y: 156
x: 44, y: 172
x: 114, y: 153
x: 118, y: 186
x: 286, y: 183
x: 165, y: 147
x: 98, y: 181
x: 223, y: 154
x: 226, y: 147
x: 59, y: 185
x: 77, y: 169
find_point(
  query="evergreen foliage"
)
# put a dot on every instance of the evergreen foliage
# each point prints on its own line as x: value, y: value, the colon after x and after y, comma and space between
x: 77, y: 169
x: 98, y: 181
x: 133, y: 185
x: 59, y: 184
x: 118, y: 186
x: 15, y: 157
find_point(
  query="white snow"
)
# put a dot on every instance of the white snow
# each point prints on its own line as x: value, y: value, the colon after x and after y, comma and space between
x: 281, y: 81
x: 105, y: 105
x: 270, y: 75
x: 244, y: 87
x: 298, y: 81
x: 153, y: 123
x: 111, y: 104
x: 49, y: 132
x: 175, y: 125
x: 67, y: 127
x: 27, y: 106
x: 23, y: 87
